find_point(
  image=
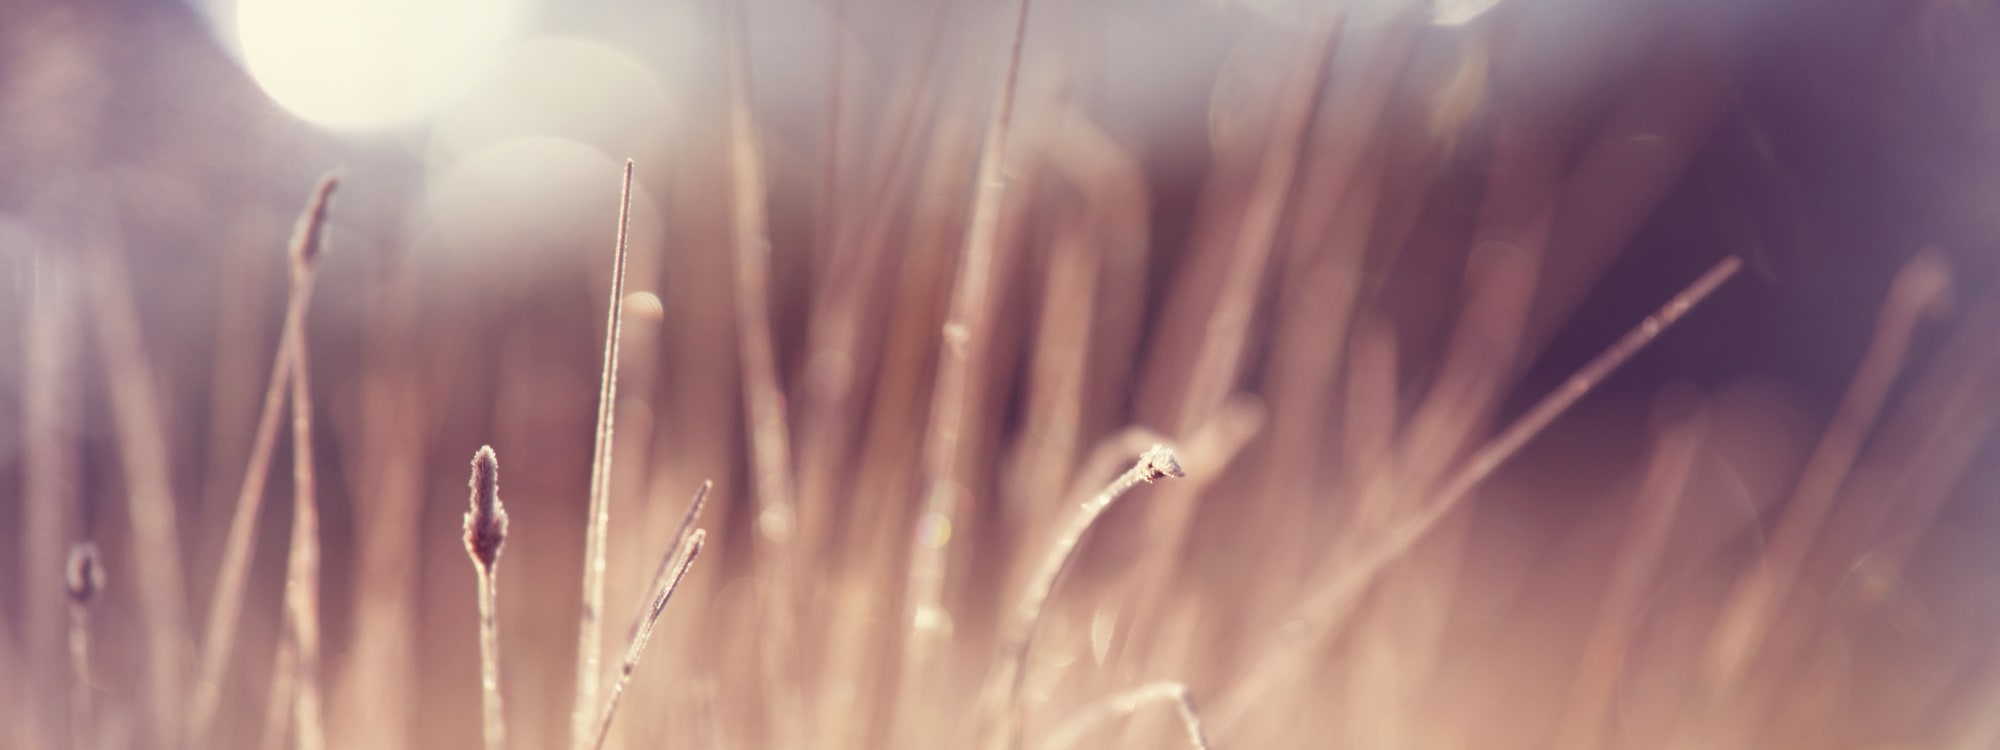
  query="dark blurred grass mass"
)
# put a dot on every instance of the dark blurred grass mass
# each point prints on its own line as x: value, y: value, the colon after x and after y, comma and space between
x: 1326, y: 251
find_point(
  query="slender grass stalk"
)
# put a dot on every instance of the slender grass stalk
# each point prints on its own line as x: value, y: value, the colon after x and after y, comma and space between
x: 1328, y: 602
x: 15, y: 709
x: 590, y: 622
x: 1920, y: 290
x: 838, y: 350
x: 828, y: 214
x: 50, y: 468
x: 1677, y: 439
x: 302, y: 568
x: 1220, y: 357
x: 950, y: 397
x: 278, y: 701
x: 1087, y: 720
x: 84, y: 579
x: 485, y: 534
x: 142, y: 449
x: 707, y: 724
x: 667, y: 562
x: 685, y: 552
x: 1156, y: 463
x: 764, y: 399
x: 226, y: 604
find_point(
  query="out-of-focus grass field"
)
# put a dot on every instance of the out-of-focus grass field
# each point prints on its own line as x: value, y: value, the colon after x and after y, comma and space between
x: 909, y: 317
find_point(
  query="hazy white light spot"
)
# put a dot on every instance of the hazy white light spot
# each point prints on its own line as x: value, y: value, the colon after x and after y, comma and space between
x: 1458, y: 12
x: 524, y: 207
x: 569, y: 87
x: 368, y: 64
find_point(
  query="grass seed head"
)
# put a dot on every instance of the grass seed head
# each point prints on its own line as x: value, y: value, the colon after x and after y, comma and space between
x: 486, y: 522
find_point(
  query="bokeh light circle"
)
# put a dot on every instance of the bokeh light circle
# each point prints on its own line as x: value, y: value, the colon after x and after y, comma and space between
x: 369, y: 64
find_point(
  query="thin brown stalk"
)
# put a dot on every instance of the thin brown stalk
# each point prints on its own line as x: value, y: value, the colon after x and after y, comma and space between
x: 1220, y: 357
x: 381, y: 444
x: 142, y: 449
x: 764, y: 399
x: 1123, y: 704
x: 50, y: 471
x: 485, y: 535
x: 839, y: 346
x: 1329, y: 601
x: 950, y: 399
x: 590, y: 623
x: 1156, y: 463
x: 836, y: 81
x: 662, y: 573
x: 1218, y: 364
x: 84, y: 579
x: 707, y: 724
x: 686, y: 552
x: 1058, y: 365
x: 278, y: 700
x: 15, y: 710
x: 666, y: 573
x: 1675, y: 445
x: 226, y: 605
x: 1920, y: 289
x: 302, y: 569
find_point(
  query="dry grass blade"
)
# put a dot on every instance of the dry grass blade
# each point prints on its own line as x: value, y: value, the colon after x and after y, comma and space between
x: 1156, y: 463
x: 142, y: 449
x: 1327, y: 602
x: 662, y: 573
x: 278, y: 701
x: 590, y: 623
x: 1220, y: 357
x: 50, y: 468
x: 302, y: 569
x: 226, y: 605
x: 485, y: 534
x: 1095, y: 715
x: 949, y: 399
x: 1922, y: 289
x: 83, y: 577
x: 763, y: 397
x: 1678, y: 438
x: 686, y: 552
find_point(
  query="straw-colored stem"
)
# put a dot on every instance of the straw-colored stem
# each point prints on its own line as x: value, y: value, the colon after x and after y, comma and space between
x: 226, y: 603
x: 686, y: 552
x: 924, y: 611
x: 664, y: 572
x: 81, y: 735
x: 278, y: 700
x: 1646, y: 535
x: 302, y: 570
x: 763, y: 400
x: 50, y: 469
x: 1220, y: 358
x: 83, y: 577
x: 590, y: 622
x: 1156, y: 463
x: 1921, y: 288
x: 142, y: 448
x: 493, y: 721
x: 1328, y: 602
x: 1096, y: 715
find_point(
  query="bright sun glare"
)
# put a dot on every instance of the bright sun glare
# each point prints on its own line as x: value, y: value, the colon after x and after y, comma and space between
x: 369, y: 64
